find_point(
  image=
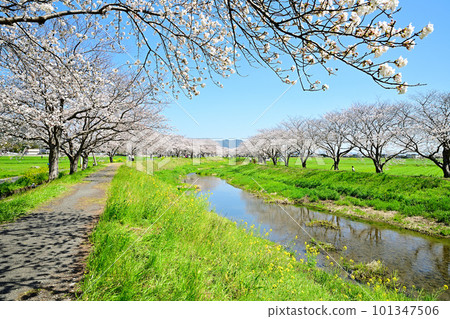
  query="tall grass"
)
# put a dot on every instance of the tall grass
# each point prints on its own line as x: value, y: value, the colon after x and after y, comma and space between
x: 18, y: 205
x: 409, y: 195
x: 156, y: 242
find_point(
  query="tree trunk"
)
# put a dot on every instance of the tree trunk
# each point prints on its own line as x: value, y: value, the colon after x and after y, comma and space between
x: 111, y: 159
x: 74, y: 164
x: 94, y: 159
x: 446, y: 162
x: 85, y: 161
x: 304, y: 163
x: 336, y: 164
x: 53, y: 157
x: 286, y: 161
x: 274, y: 160
x: 378, y: 166
x: 53, y: 162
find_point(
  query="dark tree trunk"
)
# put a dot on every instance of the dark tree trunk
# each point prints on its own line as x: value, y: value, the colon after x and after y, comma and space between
x: 378, y: 166
x: 304, y: 164
x: 446, y: 162
x: 336, y: 164
x: 274, y: 161
x: 111, y: 159
x: 286, y: 162
x: 85, y: 161
x: 53, y: 157
x: 73, y: 164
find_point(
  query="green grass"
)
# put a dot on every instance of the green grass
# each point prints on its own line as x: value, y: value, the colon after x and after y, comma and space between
x: 409, y: 195
x: 18, y: 205
x: 36, y: 176
x: 9, y: 166
x: 404, y: 167
x: 155, y: 242
x: 400, y: 167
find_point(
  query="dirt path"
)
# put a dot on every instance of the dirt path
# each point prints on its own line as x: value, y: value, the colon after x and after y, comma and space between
x: 42, y: 255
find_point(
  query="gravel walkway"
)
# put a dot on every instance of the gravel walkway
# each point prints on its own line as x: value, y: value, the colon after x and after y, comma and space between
x: 42, y: 255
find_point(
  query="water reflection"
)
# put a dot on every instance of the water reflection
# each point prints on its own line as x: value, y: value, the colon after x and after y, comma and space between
x: 420, y: 260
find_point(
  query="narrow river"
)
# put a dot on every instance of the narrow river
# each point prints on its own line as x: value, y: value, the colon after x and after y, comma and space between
x: 419, y: 260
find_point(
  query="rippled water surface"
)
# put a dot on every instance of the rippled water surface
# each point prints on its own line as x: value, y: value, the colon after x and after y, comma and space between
x: 419, y: 260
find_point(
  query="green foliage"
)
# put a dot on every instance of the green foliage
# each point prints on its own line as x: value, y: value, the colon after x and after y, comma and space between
x: 408, y: 167
x: 10, y: 166
x: 409, y: 195
x: 18, y: 205
x: 156, y: 242
x: 32, y: 176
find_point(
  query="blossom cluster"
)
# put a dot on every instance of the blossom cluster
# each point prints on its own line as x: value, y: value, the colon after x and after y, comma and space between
x: 193, y: 41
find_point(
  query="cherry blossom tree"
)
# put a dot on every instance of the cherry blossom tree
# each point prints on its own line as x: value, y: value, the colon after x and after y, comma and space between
x: 302, y: 132
x: 195, y: 40
x: 122, y: 105
x: 331, y: 131
x: 69, y: 98
x: 41, y: 91
x: 268, y: 141
x: 283, y: 143
x: 373, y: 130
x: 113, y: 147
x: 253, y: 147
x: 426, y: 128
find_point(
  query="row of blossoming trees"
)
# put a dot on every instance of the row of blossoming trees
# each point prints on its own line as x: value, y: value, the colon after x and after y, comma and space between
x: 57, y: 87
x: 379, y: 131
x: 71, y: 100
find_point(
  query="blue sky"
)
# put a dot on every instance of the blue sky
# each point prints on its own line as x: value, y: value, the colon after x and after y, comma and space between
x: 249, y: 103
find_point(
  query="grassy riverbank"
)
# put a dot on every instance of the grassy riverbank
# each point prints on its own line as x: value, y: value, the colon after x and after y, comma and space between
x: 156, y: 242
x: 399, y: 167
x: 411, y: 202
x: 18, y: 205
x: 402, y: 198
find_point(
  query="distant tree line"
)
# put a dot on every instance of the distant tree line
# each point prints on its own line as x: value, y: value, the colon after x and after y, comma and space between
x: 379, y: 131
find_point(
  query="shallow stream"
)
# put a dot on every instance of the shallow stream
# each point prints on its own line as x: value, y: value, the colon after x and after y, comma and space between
x: 419, y: 260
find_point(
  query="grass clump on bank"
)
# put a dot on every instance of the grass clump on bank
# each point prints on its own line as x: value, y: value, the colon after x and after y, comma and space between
x: 322, y: 245
x: 352, y: 194
x: 155, y: 242
x: 18, y: 205
x: 409, y: 195
x: 322, y: 223
x: 33, y: 176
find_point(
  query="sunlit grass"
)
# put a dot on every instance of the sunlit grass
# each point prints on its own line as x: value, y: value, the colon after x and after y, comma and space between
x: 409, y: 195
x: 408, y: 167
x: 18, y: 205
x: 155, y: 242
x: 16, y: 166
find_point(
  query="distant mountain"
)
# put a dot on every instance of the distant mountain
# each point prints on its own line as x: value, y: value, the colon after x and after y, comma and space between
x: 229, y: 143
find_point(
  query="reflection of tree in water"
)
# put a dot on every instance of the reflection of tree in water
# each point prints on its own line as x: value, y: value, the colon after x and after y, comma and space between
x: 422, y: 262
